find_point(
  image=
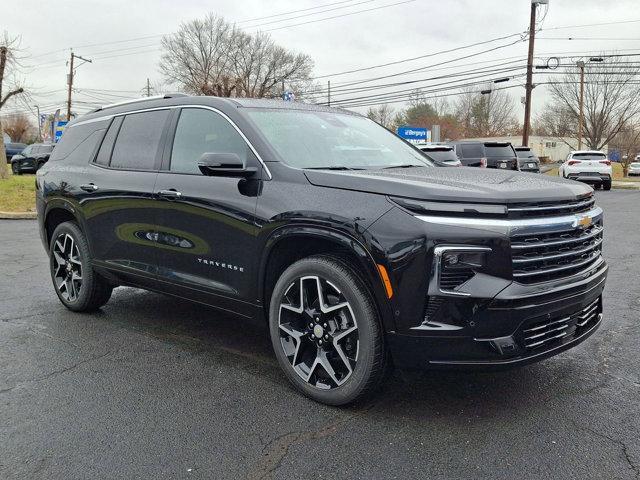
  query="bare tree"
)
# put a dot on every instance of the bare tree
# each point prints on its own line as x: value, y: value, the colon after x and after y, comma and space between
x: 486, y: 115
x: 611, y: 93
x: 19, y: 128
x: 384, y: 115
x: 213, y: 57
x: 627, y: 142
x: 8, y: 61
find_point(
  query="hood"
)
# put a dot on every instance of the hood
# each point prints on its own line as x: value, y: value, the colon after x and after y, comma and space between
x: 463, y: 184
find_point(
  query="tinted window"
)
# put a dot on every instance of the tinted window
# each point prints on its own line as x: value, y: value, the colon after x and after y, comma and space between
x: 72, y: 138
x: 524, y: 154
x: 441, y: 154
x: 203, y: 131
x: 472, y: 150
x: 104, y: 155
x: 138, y: 141
x: 499, y: 150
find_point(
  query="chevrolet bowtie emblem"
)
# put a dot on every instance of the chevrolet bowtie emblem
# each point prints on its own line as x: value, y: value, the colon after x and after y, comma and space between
x: 585, y: 222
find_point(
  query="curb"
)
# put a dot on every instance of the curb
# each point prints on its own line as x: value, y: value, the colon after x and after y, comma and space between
x: 18, y: 215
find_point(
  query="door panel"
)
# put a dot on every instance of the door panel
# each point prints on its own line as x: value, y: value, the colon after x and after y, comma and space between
x: 206, y: 227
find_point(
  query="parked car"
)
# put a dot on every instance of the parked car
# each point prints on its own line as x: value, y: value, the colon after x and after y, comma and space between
x: 634, y: 168
x: 486, y: 154
x: 589, y: 166
x: 527, y: 160
x: 442, y: 155
x: 12, y: 149
x: 353, y: 248
x: 31, y: 158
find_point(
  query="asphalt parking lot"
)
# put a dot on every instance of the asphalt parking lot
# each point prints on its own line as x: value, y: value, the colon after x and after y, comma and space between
x: 153, y: 387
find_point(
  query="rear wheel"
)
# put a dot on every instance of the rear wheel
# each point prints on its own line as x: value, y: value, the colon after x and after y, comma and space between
x: 606, y: 185
x: 78, y: 287
x: 325, y: 331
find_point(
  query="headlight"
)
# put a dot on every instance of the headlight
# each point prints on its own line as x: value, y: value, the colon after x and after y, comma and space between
x: 453, y: 265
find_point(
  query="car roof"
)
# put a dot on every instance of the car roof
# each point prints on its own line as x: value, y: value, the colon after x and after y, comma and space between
x: 522, y: 148
x: 587, y: 151
x: 431, y: 146
x: 180, y: 99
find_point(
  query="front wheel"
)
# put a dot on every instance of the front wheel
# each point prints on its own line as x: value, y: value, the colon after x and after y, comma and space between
x: 78, y: 287
x: 325, y: 331
x: 15, y: 169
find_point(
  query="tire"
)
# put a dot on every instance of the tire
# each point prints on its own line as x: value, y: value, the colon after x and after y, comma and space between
x: 69, y: 258
x: 606, y: 185
x: 314, y: 336
x: 39, y: 166
x: 15, y: 169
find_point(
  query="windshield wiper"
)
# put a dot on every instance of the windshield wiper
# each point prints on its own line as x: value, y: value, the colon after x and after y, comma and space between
x: 333, y: 167
x: 409, y: 165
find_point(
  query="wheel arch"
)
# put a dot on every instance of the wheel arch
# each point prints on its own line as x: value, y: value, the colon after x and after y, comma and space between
x: 59, y: 212
x: 290, y: 244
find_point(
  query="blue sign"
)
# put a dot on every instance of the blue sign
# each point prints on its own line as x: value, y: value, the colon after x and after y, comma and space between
x: 60, y: 126
x: 413, y: 133
x: 288, y: 96
x: 614, y: 155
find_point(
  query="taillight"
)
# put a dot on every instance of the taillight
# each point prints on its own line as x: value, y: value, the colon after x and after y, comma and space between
x: 606, y: 162
x: 573, y: 162
x: 483, y: 163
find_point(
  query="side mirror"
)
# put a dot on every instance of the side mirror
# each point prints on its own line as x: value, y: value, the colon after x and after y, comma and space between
x: 224, y: 165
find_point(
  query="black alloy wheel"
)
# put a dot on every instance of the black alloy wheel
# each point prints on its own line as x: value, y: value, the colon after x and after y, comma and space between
x: 325, y: 331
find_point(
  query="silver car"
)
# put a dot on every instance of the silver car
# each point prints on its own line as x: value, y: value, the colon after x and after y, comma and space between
x: 634, y: 168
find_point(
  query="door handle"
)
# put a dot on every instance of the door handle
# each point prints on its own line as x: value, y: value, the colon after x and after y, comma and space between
x: 171, y: 193
x: 89, y: 187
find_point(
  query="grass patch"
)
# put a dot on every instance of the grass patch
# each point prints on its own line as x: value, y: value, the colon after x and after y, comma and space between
x: 17, y: 194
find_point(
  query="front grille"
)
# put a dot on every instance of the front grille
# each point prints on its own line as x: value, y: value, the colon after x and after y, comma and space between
x: 540, y: 258
x: 546, y: 209
x: 543, y: 334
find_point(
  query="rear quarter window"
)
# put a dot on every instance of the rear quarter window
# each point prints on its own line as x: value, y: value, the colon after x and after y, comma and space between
x: 79, y: 143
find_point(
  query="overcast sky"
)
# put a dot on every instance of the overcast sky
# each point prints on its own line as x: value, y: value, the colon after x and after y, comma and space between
x: 352, y: 41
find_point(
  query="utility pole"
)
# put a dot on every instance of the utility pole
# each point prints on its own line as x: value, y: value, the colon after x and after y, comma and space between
x: 580, y: 65
x: 529, y: 86
x: 328, y: 93
x: 70, y: 81
x: 148, y: 88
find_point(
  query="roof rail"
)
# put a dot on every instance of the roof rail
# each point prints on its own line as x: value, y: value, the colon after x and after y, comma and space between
x: 143, y: 99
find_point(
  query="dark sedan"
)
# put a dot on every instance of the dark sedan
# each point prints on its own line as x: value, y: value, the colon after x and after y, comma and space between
x: 31, y: 158
x: 13, y: 148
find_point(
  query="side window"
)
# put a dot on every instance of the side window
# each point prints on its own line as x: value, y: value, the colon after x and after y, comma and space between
x: 104, y: 154
x: 203, y: 131
x: 75, y: 136
x: 35, y: 150
x: 139, y: 140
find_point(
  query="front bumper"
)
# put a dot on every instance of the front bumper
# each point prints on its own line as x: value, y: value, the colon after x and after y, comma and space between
x: 502, y: 330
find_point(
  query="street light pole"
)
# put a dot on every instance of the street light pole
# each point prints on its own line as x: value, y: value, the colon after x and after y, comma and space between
x: 580, y: 65
x: 39, y: 123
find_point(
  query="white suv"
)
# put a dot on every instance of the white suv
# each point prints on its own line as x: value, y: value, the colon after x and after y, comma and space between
x: 589, y: 166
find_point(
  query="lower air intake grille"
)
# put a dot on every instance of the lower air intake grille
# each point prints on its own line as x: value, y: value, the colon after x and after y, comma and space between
x: 544, y: 334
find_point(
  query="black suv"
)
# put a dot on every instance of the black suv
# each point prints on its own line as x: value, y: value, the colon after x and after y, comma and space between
x: 343, y: 237
x: 31, y: 158
x: 486, y: 154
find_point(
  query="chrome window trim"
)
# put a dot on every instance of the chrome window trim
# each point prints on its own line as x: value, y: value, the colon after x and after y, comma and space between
x: 171, y: 107
x: 518, y: 226
x: 438, y: 253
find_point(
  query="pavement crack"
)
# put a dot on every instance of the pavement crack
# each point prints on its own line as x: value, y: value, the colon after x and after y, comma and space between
x: 275, y: 451
x: 56, y: 372
x: 623, y: 446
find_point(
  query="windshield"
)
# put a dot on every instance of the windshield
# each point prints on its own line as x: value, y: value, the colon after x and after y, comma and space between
x: 498, y: 150
x: 313, y: 139
x: 589, y: 156
x: 635, y: 165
